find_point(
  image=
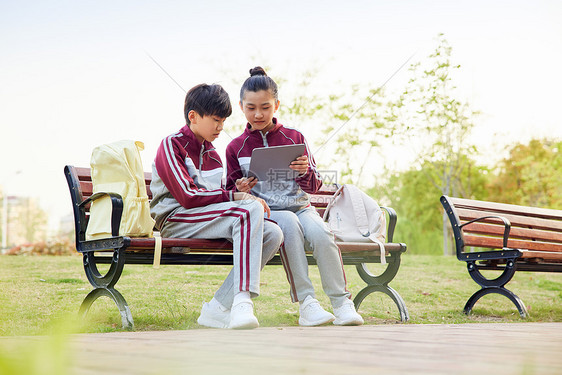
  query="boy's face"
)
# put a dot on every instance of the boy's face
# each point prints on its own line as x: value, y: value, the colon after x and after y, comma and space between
x: 259, y: 108
x: 205, y: 128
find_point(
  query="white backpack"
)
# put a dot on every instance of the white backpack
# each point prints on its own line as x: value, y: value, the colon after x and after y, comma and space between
x: 353, y: 216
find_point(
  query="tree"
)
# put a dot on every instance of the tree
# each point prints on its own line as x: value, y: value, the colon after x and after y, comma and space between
x: 530, y: 175
x: 426, y: 117
x: 25, y: 222
x: 437, y: 124
x: 357, y: 132
x: 415, y: 200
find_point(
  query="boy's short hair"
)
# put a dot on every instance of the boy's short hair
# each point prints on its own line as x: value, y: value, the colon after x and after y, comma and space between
x: 207, y: 100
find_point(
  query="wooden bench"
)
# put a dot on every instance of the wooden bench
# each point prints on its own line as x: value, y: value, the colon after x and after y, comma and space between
x: 120, y: 250
x: 515, y: 238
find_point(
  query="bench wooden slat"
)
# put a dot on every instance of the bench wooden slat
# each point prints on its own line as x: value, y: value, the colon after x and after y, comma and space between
x: 544, y: 213
x: 516, y: 220
x: 193, y: 243
x: 320, y: 200
x: 540, y: 256
x: 86, y: 187
x: 529, y: 257
x: 204, y: 245
x: 83, y: 174
x: 515, y: 232
x: 497, y: 243
x: 352, y: 247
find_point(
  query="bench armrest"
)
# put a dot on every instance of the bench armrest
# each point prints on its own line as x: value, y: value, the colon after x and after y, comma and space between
x: 116, y: 209
x: 392, y: 218
x: 506, y: 223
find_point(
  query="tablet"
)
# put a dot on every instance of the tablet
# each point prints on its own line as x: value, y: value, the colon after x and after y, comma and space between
x: 269, y: 163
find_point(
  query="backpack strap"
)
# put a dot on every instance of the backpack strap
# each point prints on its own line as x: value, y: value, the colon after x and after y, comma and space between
x: 361, y: 219
x: 381, y: 246
x: 157, y: 250
x: 359, y: 211
x: 334, y: 198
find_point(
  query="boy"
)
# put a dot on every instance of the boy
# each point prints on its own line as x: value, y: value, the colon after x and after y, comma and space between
x: 189, y: 200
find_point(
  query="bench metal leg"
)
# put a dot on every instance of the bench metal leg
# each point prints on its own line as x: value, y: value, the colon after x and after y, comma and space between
x: 404, y: 316
x: 115, y: 296
x: 501, y: 280
x: 499, y: 290
x: 496, y: 285
x: 379, y: 283
x: 111, y: 276
x: 103, y: 285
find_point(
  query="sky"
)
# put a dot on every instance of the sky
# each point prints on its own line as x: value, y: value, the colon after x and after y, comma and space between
x: 78, y: 74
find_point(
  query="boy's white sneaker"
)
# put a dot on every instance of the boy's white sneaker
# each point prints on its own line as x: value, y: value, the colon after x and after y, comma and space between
x: 312, y: 314
x: 242, y: 316
x: 346, y: 315
x: 213, y: 317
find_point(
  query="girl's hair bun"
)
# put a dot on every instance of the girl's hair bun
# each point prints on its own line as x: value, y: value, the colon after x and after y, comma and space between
x: 257, y: 71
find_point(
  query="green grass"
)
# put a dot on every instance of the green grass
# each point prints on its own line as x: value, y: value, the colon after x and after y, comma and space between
x: 39, y: 294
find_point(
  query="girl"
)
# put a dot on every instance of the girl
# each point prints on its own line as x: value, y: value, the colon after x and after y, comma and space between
x: 290, y: 205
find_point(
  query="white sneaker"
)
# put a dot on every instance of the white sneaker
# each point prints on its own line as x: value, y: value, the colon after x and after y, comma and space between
x: 242, y: 316
x: 312, y: 314
x: 346, y: 315
x: 213, y: 317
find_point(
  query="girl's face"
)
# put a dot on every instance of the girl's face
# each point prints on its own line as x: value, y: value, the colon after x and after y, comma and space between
x: 259, y: 108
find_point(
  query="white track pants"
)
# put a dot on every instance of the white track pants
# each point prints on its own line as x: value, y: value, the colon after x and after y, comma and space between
x: 254, y: 240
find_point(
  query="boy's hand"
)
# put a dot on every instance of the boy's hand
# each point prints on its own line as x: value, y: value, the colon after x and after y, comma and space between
x: 240, y: 196
x: 266, y: 208
x: 300, y: 164
x: 246, y: 184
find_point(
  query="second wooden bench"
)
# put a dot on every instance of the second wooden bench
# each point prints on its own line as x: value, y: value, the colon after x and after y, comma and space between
x: 504, y: 237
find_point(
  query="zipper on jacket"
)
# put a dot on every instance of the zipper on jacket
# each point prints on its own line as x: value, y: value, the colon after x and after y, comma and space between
x: 264, y: 138
x: 201, y: 157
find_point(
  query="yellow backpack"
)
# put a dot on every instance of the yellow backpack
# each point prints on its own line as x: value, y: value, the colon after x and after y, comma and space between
x: 117, y: 168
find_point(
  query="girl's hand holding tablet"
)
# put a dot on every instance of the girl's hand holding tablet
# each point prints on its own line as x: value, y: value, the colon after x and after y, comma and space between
x: 300, y: 164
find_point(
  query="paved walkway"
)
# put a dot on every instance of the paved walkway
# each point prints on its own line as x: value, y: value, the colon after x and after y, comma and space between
x: 518, y: 348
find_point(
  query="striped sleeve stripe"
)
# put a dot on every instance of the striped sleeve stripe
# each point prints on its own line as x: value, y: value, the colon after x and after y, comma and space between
x: 174, y: 166
x: 176, y: 170
x: 310, y: 158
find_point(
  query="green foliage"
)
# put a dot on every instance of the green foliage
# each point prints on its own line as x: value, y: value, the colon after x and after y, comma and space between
x: 304, y: 103
x: 530, y: 175
x: 435, y: 122
x: 27, y: 220
x: 418, y: 214
x: 420, y: 220
x: 359, y: 132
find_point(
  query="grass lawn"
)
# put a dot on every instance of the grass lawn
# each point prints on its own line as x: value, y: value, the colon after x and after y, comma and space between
x: 40, y: 293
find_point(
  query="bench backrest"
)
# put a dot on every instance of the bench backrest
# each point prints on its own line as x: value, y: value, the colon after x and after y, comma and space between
x: 81, y: 187
x: 535, y: 229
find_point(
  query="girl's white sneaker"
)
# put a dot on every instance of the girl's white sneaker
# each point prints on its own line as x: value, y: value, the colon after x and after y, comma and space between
x: 242, y: 316
x: 312, y: 314
x: 346, y: 315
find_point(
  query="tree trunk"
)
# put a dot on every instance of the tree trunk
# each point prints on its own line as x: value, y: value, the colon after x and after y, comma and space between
x: 445, y: 235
